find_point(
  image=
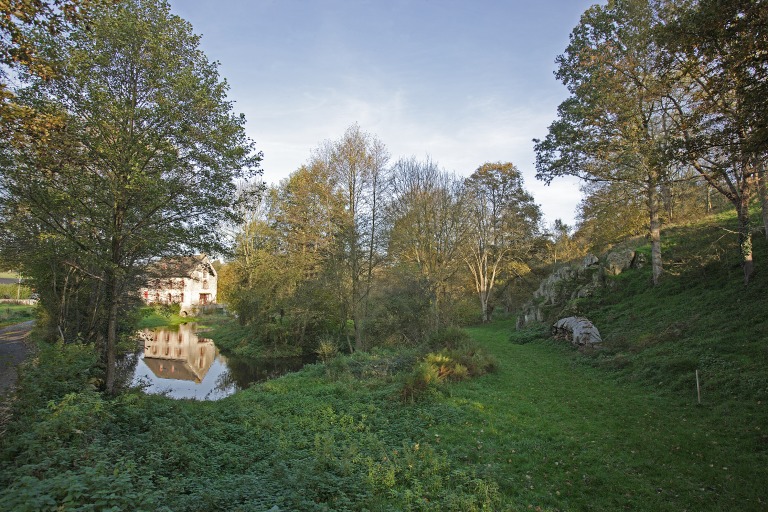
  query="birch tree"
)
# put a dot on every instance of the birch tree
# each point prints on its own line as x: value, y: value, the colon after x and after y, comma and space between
x: 503, y: 226
x: 358, y: 165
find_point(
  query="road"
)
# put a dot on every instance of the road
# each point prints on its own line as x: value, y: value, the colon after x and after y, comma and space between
x: 13, y: 350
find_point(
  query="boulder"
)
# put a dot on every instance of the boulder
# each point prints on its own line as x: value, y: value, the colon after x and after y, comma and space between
x: 590, y: 261
x: 552, y: 288
x: 578, y: 330
x: 618, y: 261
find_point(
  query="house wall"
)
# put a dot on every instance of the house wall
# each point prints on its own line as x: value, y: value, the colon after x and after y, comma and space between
x: 199, y: 289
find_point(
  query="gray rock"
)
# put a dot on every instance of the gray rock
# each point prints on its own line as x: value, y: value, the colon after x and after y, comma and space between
x: 639, y: 261
x: 578, y: 330
x: 589, y: 261
x: 618, y: 261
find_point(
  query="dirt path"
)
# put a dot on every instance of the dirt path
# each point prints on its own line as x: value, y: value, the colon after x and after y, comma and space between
x: 13, y: 350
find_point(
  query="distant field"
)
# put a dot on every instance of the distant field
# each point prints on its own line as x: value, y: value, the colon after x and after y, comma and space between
x: 13, y: 314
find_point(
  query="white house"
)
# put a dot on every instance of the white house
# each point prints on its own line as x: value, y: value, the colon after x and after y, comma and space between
x: 190, y: 281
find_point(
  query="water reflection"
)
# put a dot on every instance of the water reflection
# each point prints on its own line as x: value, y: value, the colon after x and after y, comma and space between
x: 178, y: 355
x: 179, y: 363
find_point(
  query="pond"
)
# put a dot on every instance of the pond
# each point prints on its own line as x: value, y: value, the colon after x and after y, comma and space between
x: 181, y: 363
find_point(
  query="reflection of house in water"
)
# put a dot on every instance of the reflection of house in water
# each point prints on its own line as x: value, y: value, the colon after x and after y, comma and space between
x: 179, y: 355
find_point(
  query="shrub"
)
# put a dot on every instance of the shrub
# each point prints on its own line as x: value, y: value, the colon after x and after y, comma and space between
x: 327, y: 349
x: 448, y: 337
x: 416, y: 384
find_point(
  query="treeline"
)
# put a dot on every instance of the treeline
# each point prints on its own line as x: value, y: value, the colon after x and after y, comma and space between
x: 359, y: 251
x: 668, y: 101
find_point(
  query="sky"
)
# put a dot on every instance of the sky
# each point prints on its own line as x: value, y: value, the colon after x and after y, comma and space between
x: 459, y: 81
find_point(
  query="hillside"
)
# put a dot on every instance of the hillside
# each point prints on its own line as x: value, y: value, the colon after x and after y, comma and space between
x: 700, y: 317
x: 550, y: 429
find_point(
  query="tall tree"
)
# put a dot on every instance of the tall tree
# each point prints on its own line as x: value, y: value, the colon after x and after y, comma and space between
x: 428, y: 226
x: 504, y: 224
x: 719, y: 52
x: 20, y: 52
x: 613, y: 126
x: 142, y: 166
x: 358, y: 164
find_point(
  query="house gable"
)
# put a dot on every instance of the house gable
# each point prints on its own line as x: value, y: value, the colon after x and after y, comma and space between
x: 189, y: 281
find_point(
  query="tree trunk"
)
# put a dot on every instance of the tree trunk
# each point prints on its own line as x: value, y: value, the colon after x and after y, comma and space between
x: 484, y: 305
x: 762, y: 187
x: 745, y: 236
x: 111, y: 346
x: 655, y: 233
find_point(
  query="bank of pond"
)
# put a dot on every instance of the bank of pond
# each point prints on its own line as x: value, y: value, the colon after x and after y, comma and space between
x: 182, y: 362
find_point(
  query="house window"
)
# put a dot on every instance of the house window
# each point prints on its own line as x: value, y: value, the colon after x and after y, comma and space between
x: 205, y: 298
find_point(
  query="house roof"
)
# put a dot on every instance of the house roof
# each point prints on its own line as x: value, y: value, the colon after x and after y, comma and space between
x: 180, y: 266
x: 174, y: 369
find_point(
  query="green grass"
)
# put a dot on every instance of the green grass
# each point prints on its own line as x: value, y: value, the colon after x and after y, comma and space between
x: 550, y: 429
x: 152, y: 317
x: 700, y: 317
x: 562, y: 436
x: 15, y: 313
x: 543, y: 432
x: 11, y: 291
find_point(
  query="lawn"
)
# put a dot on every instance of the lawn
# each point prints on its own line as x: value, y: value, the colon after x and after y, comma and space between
x: 15, y: 313
x: 545, y: 431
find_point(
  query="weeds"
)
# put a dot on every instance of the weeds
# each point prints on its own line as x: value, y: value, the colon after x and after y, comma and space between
x: 488, y: 424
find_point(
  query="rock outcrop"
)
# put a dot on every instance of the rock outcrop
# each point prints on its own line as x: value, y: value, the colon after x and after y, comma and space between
x: 578, y: 330
x: 576, y: 280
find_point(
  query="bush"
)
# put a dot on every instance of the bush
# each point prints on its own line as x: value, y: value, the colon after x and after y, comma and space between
x: 448, y: 337
x: 58, y: 370
x: 327, y: 349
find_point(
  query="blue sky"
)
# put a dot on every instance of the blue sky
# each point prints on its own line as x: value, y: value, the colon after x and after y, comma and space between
x: 463, y: 82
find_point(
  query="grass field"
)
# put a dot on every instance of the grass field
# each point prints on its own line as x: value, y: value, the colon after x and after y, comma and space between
x: 551, y: 429
x: 15, y: 313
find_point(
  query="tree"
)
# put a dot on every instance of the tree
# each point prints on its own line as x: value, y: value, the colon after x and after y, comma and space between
x: 427, y: 228
x: 504, y: 224
x: 613, y: 126
x: 20, y: 52
x: 143, y: 164
x: 718, y: 51
x: 561, y: 241
x: 358, y: 165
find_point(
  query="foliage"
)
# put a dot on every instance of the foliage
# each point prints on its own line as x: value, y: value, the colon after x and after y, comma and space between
x: 427, y: 228
x: 717, y: 54
x: 503, y: 228
x: 547, y: 429
x: 612, y: 129
x: 12, y: 291
x: 708, y: 322
x: 327, y: 349
x: 141, y: 165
